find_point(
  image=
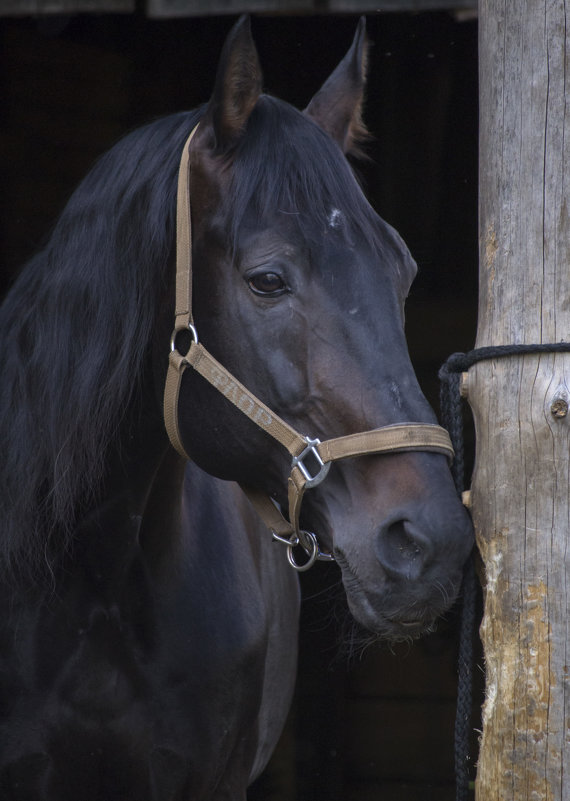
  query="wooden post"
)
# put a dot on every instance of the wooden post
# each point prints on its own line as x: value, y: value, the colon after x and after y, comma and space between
x: 520, y: 491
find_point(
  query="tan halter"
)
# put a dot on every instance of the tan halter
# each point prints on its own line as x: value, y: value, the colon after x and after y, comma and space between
x: 388, y: 439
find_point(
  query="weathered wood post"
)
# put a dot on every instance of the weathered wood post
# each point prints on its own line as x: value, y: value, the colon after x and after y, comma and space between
x: 520, y: 491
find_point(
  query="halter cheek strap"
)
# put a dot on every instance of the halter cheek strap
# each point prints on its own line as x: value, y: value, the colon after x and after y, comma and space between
x: 310, y: 458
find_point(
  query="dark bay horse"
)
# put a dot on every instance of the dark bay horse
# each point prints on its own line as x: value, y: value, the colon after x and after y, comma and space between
x: 149, y: 626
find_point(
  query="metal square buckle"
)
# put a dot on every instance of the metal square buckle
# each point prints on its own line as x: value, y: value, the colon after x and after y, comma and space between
x: 323, y: 467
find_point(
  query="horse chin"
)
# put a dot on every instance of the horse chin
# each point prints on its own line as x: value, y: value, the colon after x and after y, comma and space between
x: 386, y: 626
x: 357, y: 638
x: 382, y: 618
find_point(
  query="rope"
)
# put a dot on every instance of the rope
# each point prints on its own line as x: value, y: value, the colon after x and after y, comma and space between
x: 452, y: 418
x: 464, y: 704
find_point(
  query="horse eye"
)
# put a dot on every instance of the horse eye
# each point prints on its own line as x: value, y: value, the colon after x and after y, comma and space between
x: 267, y: 284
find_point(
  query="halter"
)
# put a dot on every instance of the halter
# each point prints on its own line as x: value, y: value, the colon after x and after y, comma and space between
x: 310, y: 458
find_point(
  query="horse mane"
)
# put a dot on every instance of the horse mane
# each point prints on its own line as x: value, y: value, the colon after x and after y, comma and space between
x: 73, y: 333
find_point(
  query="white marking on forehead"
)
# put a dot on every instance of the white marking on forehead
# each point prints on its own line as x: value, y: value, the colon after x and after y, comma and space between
x: 335, y: 218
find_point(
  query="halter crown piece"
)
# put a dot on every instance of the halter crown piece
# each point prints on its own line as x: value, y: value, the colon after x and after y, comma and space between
x: 304, y: 451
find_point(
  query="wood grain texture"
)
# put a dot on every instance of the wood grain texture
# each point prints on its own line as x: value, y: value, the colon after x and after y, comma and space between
x: 521, y: 482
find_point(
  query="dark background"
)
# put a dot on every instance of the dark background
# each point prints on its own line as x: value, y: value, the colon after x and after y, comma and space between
x: 378, y: 726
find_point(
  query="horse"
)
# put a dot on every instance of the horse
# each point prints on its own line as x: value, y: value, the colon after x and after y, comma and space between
x: 149, y: 633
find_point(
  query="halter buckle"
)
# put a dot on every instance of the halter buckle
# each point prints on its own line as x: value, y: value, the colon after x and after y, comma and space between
x: 323, y: 467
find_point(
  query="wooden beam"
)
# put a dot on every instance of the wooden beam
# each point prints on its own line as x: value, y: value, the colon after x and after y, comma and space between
x: 187, y: 8
x: 37, y: 7
x: 193, y: 8
x: 520, y: 490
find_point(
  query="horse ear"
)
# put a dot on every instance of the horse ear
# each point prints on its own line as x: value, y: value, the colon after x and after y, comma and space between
x: 237, y: 87
x: 337, y: 106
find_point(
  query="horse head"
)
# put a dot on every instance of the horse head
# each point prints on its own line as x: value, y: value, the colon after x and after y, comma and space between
x: 299, y: 290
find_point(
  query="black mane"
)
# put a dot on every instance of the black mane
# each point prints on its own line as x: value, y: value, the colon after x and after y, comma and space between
x: 73, y: 332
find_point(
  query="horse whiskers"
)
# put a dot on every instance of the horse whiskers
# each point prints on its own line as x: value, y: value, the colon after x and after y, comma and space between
x: 329, y: 593
x: 444, y: 591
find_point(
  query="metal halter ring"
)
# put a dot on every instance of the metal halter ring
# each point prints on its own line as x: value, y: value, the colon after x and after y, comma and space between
x: 309, y: 544
x: 193, y: 333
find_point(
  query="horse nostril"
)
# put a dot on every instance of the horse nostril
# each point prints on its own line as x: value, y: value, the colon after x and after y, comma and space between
x: 401, y: 552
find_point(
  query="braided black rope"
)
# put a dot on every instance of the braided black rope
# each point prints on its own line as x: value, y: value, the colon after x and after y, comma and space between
x: 452, y: 418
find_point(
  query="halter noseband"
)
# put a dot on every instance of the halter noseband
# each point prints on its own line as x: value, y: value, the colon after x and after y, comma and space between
x: 311, y: 458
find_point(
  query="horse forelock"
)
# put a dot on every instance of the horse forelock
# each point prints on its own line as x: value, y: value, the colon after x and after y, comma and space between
x: 286, y: 163
x: 74, y: 330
